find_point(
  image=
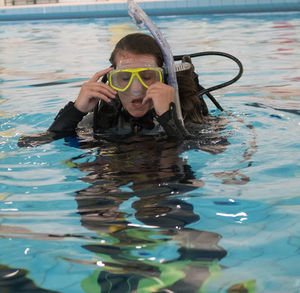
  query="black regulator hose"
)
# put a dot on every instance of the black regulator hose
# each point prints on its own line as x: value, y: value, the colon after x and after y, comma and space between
x: 216, y: 87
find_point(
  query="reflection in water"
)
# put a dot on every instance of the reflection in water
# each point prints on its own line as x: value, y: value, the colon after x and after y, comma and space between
x: 15, y: 280
x: 135, y: 203
x: 294, y: 111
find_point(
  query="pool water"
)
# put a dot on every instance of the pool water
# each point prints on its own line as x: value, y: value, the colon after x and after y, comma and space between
x: 220, y: 214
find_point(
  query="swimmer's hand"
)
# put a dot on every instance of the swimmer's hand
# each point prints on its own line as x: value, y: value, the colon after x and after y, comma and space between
x: 161, y: 95
x: 93, y: 91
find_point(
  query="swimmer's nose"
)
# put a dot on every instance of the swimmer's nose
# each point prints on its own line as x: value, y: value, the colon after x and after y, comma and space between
x: 136, y: 87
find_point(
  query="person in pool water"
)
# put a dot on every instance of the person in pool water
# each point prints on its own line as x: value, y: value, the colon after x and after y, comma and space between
x: 136, y: 98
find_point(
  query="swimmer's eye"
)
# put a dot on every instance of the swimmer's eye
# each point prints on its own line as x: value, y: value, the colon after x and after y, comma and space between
x: 124, y: 76
x: 148, y: 75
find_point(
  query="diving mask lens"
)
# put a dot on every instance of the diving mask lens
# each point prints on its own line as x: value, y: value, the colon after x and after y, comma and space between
x: 121, y: 80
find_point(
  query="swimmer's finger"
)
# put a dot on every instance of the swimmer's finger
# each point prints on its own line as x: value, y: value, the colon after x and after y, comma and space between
x: 150, y: 94
x: 145, y: 99
x: 104, y: 89
x: 100, y: 96
x: 108, y: 88
x: 99, y: 74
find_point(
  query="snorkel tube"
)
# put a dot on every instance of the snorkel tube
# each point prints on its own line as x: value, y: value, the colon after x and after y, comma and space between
x: 141, y: 18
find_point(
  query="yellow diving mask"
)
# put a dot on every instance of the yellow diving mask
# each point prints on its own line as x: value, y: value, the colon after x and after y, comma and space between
x: 121, y: 79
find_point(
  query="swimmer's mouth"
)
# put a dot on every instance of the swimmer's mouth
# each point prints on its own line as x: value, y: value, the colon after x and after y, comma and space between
x: 137, y: 101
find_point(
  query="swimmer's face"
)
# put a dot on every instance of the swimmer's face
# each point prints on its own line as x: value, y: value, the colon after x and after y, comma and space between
x: 133, y: 97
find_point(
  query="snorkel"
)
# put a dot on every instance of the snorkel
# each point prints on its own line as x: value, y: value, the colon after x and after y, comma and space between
x: 141, y: 18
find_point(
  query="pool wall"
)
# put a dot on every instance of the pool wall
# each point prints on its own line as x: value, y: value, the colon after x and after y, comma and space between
x: 119, y: 9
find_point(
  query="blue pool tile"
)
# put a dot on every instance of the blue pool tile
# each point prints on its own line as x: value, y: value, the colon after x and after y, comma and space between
x: 161, y: 5
x: 103, y: 7
x: 183, y: 4
x: 228, y: 2
x: 79, y: 8
x: 146, y: 5
x: 59, y: 9
x: 240, y: 2
x: 16, y: 11
x: 176, y: 5
x: 93, y: 7
x: 87, y: 8
x: 265, y: 1
x: 216, y: 3
x: 172, y: 7
x: 205, y: 3
x: 68, y: 8
x: 73, y: 8
x: 191, y: 3
x: 63, y: 9
x: 293, y: 2
x: 30, y: 10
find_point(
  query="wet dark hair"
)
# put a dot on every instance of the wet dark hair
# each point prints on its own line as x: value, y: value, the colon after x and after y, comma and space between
x: 193, y: 107
x: 140, y: 44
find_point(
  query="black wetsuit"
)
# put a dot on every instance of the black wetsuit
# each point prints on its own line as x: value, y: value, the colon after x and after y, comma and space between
x: 108, y: 119
x: 113, y: 118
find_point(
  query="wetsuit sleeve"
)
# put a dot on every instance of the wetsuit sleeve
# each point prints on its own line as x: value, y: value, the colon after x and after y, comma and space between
x: 67, y: 119
x: 172, y: 125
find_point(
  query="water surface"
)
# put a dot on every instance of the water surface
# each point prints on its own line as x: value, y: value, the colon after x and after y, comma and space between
x: 216, y: 215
